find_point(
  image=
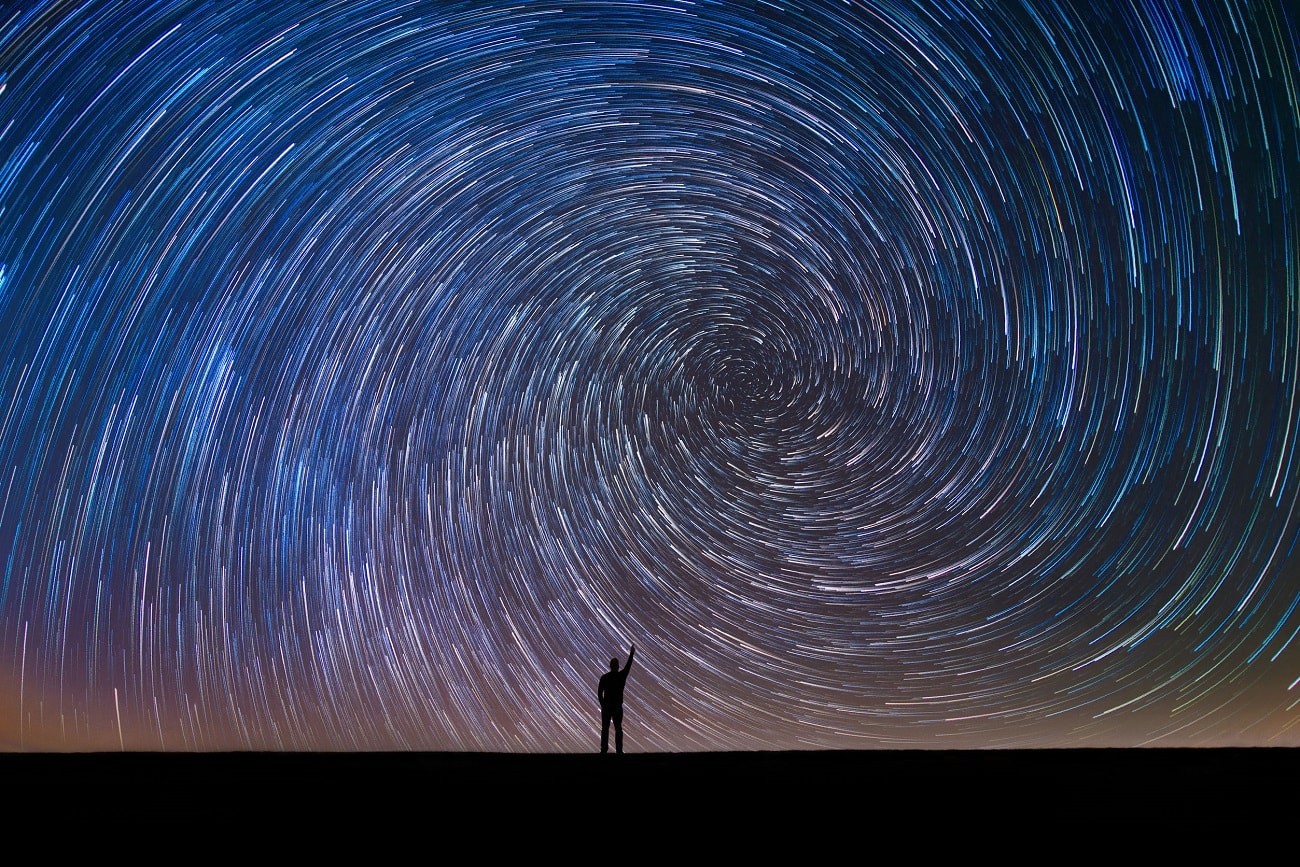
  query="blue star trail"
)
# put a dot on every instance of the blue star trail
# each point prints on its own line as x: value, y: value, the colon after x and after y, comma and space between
x: 890, y: 374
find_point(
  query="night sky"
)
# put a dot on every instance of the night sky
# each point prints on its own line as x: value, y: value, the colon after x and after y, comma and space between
x: 892, y: 375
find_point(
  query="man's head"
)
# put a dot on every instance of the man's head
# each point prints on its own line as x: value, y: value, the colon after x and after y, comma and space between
x: 613, y: 664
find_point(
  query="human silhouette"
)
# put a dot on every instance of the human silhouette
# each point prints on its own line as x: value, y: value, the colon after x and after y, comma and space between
x: 610, y: 693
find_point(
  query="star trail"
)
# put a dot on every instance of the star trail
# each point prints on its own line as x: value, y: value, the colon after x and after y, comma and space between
x: 891, y: 374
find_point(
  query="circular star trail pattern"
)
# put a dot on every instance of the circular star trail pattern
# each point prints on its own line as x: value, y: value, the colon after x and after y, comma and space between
x: 890, y: 374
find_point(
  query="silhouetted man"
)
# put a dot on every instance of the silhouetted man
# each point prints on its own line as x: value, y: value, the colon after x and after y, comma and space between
x: 610, y: 693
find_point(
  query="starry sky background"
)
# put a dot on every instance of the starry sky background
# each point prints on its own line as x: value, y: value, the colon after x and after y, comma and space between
x: 891, y: 374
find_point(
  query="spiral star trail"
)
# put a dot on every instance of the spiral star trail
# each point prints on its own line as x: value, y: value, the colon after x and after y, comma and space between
x: 890, y: 374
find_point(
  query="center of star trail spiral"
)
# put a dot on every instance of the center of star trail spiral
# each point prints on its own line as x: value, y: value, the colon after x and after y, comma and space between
x: 890, y: 374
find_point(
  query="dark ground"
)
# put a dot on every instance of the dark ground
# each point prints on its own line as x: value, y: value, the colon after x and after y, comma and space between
x: 1189, y: 791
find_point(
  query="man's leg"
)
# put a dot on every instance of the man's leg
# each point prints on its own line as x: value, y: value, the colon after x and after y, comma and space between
x: 604, y: 730
x: 618, y: 730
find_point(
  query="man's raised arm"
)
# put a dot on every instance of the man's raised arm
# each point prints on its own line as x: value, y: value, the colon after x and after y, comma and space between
x: 631, y: 653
